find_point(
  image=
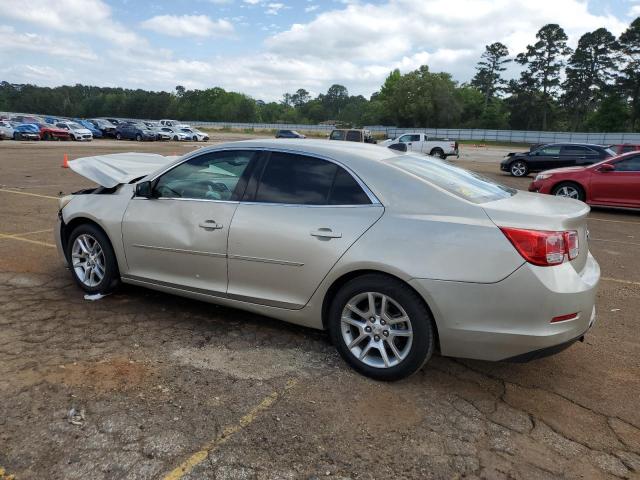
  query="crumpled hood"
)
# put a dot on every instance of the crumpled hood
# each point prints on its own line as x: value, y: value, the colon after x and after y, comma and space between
x: 116, y: 168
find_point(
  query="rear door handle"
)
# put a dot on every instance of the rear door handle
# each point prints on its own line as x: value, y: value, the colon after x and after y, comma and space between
x: 210, y: 225
x: 325, y: 233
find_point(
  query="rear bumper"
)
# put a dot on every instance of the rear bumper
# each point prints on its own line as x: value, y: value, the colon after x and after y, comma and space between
x: 512, y: 318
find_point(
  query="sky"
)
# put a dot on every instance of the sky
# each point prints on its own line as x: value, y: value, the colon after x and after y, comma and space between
x: 265, y: 48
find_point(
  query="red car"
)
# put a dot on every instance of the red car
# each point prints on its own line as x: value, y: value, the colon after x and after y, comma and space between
x: 49, y: 132
x: 625, y: 148
x: 614, y: 182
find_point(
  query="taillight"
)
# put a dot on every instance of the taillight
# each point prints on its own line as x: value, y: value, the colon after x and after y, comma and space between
x: 543, y: 248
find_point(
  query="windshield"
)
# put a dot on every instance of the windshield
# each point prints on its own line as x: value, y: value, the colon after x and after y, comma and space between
x: 75, y: 125
x: 463, y: 183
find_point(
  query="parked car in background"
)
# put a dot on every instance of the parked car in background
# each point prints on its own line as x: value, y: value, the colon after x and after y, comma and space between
x: 507, y: 274
x: 26, y: 119
x: 96, y: 132
x: 26, y: 131
x: 52, y: 132
x: 195, y: 134
x: 115, y: 121
x: 352, y: 135
x: 175, y: 134
x: 76, y: 131
x: 107, y: 128
x: 6, y: 129
x: 289, y: 134
x: 420, y: 142
x: 554, y: 155
x: 134, y: 131
x: 157, y: 128
x: 614, y: 182
x: 625, y: 147
x: 173, y: 124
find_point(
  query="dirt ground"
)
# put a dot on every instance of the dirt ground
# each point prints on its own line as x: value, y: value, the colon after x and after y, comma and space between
x: 164, y: 387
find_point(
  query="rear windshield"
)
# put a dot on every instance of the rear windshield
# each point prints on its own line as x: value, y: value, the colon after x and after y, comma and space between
x: 463, y: 183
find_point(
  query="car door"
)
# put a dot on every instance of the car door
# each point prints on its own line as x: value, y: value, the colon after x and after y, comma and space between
x: 545, y: 158
x: 179, y: 237
x: 572, y: 155
x: 300, y: 215
x: 620, y: 186
x: 412, y: 141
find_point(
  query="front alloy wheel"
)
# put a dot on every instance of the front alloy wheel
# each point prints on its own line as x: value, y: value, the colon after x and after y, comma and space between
x: 381, y: 327
x: 519, y: 168
x: 569, y: 190
x: 93, y: 262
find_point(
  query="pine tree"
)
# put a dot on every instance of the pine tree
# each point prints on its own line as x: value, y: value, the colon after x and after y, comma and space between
x: 629, y: 79
x: 488, y: 78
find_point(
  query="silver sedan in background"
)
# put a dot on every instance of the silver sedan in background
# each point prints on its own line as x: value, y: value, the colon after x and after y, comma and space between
x: 396, y: 255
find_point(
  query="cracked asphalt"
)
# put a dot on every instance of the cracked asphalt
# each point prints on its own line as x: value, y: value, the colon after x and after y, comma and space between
x: 165, y: 387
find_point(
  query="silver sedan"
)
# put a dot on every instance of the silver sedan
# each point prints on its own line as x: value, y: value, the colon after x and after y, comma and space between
x: 396, y: 255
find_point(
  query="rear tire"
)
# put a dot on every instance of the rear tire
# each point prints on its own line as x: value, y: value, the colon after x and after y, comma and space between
x: 138, y: 138
x: 519, y: 168
x: 175, y: 138
x: 118, y: 136
x: 393, y: 348
x: 93, y: 263
x: 569, y: 190
x: 16, y: 136
x: 438, y: 152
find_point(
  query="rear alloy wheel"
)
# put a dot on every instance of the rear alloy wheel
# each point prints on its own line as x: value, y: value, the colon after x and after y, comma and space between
x: 519, y: 168
x: 92, y: 260
x: 438, y: 152
x: 118, y: 136
x: 569, y: 190
x: 381, y: 327
x: 138, y: 138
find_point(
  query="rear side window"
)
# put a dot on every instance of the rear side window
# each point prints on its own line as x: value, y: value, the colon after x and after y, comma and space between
x: 301, y: 180
x: 346, y: 191
x: 550, y: 151
x: 354, y: 136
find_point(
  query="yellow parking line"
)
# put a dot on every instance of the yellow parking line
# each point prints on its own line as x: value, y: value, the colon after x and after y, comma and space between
x: 32, y: 233
x: 6, y: 190
x: 612, y: 221
x: 619, y: 280
x: 5, y: 476
x: 28, y: 240
x: 201, y: 455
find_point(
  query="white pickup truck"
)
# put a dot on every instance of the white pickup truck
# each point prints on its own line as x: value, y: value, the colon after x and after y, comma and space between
x: 419, y: 142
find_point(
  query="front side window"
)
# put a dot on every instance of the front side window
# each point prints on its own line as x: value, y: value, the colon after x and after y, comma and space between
x: 300, y: 180
x: 550, y: 151
x: 211, y: 176
x: 337, y: 135
x: 628, y: 164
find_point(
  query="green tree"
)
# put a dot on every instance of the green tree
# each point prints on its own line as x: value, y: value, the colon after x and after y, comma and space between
x: 544, y: 61
x: 488, y: 78
x: 589, y: 75
x: 629, y: 79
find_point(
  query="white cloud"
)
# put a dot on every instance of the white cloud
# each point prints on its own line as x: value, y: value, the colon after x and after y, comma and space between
x: 311, y: 8
x: 634, y: 11
x: 70, y: 16
x: 13, y: 41
x: 188, y: 25
x: 274, y: 8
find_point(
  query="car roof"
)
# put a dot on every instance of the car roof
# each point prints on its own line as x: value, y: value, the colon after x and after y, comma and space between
x: 564, y: 144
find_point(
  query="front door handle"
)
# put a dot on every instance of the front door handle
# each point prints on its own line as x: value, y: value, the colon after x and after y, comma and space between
x: 325, y: 233
x: 210, y: 225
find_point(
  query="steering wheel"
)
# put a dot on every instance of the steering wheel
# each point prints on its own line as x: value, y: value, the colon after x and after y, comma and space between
x: 215, y: 190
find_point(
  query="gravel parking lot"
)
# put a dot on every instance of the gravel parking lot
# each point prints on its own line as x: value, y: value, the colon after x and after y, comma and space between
x: 164, y: 387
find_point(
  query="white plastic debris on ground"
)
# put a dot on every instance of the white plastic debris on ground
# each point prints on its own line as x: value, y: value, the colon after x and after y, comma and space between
x: 113, y: 169
x: 95, y: 296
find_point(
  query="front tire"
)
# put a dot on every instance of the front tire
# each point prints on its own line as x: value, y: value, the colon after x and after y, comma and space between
x: 138, y: 138
x: 93, y: 263
x: 118, y: 136
x: 569, y: 190
x: 519, y: 169
x: 381, y: 327
x: 175, y: 138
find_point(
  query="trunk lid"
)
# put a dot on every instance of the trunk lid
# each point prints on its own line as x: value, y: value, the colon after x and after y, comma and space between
x: 543, y: 212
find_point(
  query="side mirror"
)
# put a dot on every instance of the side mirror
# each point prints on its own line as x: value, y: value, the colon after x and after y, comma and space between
x: 606, y: 167
x: 144, y: 189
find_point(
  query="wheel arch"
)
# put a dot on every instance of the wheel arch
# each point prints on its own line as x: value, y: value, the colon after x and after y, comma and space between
x: 67, y: 228
x: 342, y: 280
x: 571, y: 180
